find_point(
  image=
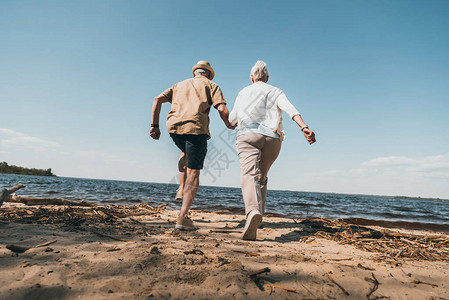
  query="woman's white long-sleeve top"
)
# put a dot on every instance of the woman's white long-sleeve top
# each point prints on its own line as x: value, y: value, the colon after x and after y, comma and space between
x: 258, y: 108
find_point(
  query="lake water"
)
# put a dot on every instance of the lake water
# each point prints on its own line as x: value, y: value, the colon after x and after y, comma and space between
x: 423, y: 213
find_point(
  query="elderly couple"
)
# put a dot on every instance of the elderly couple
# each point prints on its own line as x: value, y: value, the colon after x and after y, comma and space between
x: 257, y: 114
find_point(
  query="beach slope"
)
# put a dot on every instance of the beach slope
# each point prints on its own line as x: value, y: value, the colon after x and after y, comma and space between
x: 135, y: 253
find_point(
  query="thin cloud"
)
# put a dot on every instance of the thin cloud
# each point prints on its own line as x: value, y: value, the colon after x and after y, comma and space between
x: 9, y: 137
x: 9, y: 132
x: 103, y: 157
x: 390, y: 161
x: 430, y: 166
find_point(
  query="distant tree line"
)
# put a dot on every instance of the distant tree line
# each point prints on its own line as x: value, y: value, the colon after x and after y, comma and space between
x: 7, y: 169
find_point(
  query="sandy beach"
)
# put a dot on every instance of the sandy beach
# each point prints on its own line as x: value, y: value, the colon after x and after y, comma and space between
x: 135, y: 253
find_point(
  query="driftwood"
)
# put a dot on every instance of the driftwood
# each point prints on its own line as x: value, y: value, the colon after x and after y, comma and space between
x: 5, y: 193
x: 17, y: 249
x: 108, y: 221
x: 46, y: 201
x: 5, y: 196
x: 21, y: 249
x: 392, y: 245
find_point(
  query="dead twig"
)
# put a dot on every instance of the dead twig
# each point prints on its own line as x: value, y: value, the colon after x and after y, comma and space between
x: 336, y: 283
x: 375, y: 286
x: 224, y: 231
x: 311, y: 293
x: 112, y: 237
x: 45, y: 244
x: 422, y: 282
x: 264, y: 270
x: 365, y: 268
x: 283, y: 288
x: 247, y: 253
x: 113, y: 249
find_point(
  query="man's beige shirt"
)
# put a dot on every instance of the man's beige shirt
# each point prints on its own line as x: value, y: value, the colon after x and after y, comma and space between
x: 191, y: 100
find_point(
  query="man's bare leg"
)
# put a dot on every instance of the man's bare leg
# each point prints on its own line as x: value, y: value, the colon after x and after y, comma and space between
x: 182, y: 175
x: 190, y: 189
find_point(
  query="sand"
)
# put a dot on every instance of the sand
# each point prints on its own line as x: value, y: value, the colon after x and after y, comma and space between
x: 155, y: 261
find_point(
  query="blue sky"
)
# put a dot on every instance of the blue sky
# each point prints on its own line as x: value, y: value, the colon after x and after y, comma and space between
x: 77, y: 81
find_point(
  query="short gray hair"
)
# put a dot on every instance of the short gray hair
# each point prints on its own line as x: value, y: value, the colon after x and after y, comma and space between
x: 203, y: 72
x: 259, y: 71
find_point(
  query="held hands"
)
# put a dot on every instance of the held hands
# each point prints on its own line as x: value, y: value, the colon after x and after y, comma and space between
x: 309, y: 135
x: 155, y: 133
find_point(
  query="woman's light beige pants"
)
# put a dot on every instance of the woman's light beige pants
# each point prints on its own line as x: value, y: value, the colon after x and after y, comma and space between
x: 257, y: 153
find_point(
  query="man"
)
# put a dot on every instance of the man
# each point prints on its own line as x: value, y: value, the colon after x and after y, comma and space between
x: 188, y: 126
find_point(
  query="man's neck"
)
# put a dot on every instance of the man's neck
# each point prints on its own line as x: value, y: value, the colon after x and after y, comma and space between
x: 201, y: 76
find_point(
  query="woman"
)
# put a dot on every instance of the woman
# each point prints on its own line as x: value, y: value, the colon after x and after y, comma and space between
x: 257, y: 113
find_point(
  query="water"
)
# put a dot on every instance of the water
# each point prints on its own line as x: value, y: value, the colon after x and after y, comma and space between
x: 284, y: 203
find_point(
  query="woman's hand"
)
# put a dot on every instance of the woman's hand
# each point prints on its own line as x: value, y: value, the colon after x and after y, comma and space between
x: 309, y: 135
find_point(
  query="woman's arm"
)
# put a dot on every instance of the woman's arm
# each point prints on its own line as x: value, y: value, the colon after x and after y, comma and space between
x: 286, y: 106
x: 308, y: 134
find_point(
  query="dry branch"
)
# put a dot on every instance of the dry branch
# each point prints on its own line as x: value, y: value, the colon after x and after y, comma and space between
x: 422, y: 282
x: 311, y: 293
x: 247, y: 253
x: 375, y: 286
x: 264, y: 270
x: 392, y: 245
x: 6, y: 192
x: 364, y: 268
x: 45, y: 244
x: 112, y: 237
x: 283, y: 288
x: 336, y: 283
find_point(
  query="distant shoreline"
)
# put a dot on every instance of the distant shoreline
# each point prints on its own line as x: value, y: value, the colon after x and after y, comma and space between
x: 17, y: 170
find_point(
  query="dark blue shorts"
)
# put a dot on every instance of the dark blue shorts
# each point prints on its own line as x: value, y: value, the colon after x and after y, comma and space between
x: 195, y: 147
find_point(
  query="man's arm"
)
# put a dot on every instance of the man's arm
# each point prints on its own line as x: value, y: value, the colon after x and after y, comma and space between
x: 155, y: 133
x: 224, y: 114
x: 233, y: 119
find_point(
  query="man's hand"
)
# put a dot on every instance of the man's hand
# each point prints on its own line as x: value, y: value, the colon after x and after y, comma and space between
x: 309, y: 135
x: 155, y: 133
x: 230, y: 126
